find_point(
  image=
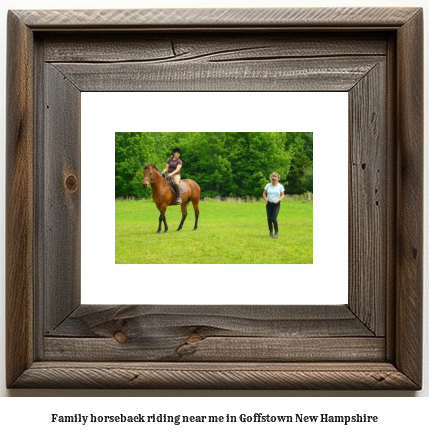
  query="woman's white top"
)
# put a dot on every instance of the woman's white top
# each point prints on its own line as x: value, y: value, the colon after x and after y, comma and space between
x: 274, y: 192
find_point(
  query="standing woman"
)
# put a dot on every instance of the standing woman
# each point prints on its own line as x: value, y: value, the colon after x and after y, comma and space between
x: 173, y: 167
x: 273, y: 195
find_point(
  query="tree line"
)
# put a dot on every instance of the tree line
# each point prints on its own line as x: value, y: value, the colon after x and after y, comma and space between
x: 226, y: 164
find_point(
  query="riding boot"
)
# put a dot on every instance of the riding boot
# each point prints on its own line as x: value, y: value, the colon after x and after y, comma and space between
x: 179, y: 199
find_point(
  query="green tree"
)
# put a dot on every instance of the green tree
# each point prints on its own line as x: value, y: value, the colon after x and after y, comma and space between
x: 307, y: 179
x: 205, y: 156
x: 132, y: 150
x: 258, y: 155
x: 300, y: 145
x: 234, y: 164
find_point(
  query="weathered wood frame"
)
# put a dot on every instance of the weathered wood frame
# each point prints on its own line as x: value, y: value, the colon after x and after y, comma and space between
x: 373, y: 342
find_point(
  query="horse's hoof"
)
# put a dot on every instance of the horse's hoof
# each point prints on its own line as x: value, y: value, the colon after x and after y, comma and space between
x: 178, y: 230
x: 157, y: 233
x: 194, y: 230
x: 165, y: 231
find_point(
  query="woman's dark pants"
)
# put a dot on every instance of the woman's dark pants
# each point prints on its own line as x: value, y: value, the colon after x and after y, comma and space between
x: 272, y: 212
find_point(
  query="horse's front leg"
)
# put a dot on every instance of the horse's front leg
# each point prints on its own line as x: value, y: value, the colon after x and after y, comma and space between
x: 165, y: 224
x: 162, y: 220
x: 162, y: 209
x: 160, y: 223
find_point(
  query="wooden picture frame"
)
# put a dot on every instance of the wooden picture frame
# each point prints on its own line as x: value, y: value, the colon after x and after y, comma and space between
x: 373, y: 342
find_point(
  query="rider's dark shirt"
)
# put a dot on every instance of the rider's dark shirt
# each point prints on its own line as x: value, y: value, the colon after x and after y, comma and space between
x: 172, y: 165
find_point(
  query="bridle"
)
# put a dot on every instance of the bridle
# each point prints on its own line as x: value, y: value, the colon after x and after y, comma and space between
x: 151, y: 181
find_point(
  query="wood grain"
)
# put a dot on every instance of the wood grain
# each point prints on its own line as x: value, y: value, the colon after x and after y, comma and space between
x: 391, y: 193
x: 213, y: 333
x: 410, y: 199
x: 187, y: 19
x: 19, y: 200
x: 373, y: 343
x: 169, y: 47
x: 379, y: 376
x: 330, y: 74
x: 368, y: 202
x: 99, y: 321
x: 61, y: 186
x: 179, y: 347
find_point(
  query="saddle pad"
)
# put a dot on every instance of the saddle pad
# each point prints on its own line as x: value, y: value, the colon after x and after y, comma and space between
x: 182, y: 186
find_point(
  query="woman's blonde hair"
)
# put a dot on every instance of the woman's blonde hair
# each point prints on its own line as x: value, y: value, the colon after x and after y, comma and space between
x: 275, y: 175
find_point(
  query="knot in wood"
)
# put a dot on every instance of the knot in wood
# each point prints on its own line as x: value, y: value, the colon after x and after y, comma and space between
x: 71, y: 183
x: 120, y: 337
x: 193, y: 337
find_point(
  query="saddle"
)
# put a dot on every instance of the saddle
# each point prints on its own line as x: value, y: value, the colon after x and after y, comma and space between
x: 183, y: 186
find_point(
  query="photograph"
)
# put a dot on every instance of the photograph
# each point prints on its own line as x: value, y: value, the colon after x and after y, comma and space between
x: 247, y: 197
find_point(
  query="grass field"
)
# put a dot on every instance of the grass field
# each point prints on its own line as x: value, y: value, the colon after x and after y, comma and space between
x: 228, y: 233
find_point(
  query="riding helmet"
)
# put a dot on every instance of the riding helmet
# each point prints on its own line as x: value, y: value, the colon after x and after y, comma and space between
x: 176, y: 150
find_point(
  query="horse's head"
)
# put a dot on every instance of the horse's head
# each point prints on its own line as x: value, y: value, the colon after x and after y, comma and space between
x: 149, y: 172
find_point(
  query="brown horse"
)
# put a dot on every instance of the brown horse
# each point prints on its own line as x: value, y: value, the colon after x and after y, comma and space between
x: 164, y: 197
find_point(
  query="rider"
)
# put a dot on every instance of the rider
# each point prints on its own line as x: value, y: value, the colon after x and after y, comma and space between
x: 173, y: 167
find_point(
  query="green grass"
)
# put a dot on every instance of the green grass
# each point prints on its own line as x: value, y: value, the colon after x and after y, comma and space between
x: 228, y: 233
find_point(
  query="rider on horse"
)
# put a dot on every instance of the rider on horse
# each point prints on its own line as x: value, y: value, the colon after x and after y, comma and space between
x: 173, y: 167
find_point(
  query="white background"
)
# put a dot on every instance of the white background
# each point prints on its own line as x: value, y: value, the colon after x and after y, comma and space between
x: 323, y: 113
x: 398, y: 413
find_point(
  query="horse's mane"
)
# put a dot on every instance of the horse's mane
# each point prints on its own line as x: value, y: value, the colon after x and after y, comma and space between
x: 150, y: 165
